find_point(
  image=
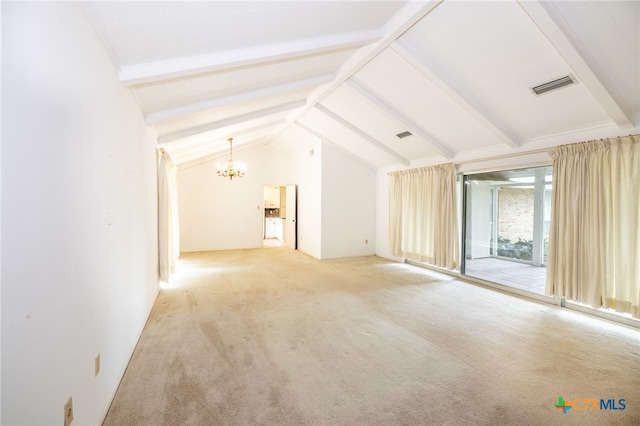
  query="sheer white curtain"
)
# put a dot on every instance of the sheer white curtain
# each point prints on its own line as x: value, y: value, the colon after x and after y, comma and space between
x: 594, y: 240
x: 423, y: 222
x: 168, y: 224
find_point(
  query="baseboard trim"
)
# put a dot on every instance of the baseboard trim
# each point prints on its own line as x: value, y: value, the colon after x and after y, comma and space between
x: 553, y: 300
x: 433, y: 268
x: 628, y: 321
x: 105, y: 410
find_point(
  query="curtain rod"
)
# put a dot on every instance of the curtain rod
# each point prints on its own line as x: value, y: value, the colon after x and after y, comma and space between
x: 498, y: 157
x: 535, y: 151
x: 601, y: 139
x: 480, y: 160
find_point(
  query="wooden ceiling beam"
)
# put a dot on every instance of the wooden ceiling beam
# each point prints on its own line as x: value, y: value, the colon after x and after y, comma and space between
x: 182, y: 67
x: 549, y: 20
x: 400, y: 118
x: 239, y: 98
x: 373, y: 141
x: 398, y: 24
x: 192, y: 131
x: 456, y: 92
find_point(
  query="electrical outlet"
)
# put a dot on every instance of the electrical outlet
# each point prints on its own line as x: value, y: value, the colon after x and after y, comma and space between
x: 97, y: 365
x: 68, y: 412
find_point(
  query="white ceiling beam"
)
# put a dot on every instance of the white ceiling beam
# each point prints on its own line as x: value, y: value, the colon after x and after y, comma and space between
x: 192, y: 131
x: 326, y: 111
x: 398, y: 24
x: 194, y: 108
x: 415, y: 129
x: 455, y: 91
x: 180, y: 67
x: 549, y: 20
x: 337, y: 146
x: 187, y: 147
x: 188, y: 162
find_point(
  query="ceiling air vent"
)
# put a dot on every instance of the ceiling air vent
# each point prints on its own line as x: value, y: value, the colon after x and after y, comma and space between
x: 553, y: 85
x: 403, y: 134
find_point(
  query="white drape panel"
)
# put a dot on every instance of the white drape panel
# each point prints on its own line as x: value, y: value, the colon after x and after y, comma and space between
x: 594, y: 239
x: 168, y: 224
x: 423, y: 222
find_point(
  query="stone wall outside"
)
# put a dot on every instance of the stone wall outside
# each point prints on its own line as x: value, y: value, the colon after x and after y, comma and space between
x: 515, y: 213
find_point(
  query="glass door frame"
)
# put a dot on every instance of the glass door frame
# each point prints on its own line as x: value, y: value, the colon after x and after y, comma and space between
x: 538, y: 183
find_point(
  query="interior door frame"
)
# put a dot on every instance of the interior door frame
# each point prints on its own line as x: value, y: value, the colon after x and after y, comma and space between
x: 291, y: 221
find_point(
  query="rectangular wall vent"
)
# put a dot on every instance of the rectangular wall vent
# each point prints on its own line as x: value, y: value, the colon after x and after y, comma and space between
x: 403, y: 134
x: 553, y: 85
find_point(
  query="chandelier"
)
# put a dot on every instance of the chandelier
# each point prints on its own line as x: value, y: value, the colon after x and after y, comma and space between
x: 231, y: 169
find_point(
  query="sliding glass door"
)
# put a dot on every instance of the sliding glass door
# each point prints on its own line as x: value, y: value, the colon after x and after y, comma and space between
x: 506, y: 225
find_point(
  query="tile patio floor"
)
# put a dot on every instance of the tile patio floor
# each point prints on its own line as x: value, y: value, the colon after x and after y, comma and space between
x: 513, y: 274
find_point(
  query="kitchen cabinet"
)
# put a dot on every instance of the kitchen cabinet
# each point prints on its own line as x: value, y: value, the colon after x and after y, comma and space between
x: 273, y: 228
x: 271, y: 197
x: 270, y: 227
x: 279, y: 234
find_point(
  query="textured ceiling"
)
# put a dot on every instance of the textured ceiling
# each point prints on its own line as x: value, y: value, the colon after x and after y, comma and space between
x: 455, y: 74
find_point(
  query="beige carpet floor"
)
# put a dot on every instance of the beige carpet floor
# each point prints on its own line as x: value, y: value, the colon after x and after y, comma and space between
x: 274, y: 337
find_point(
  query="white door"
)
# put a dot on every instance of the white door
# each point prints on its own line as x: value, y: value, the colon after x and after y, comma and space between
x: 290, y: 232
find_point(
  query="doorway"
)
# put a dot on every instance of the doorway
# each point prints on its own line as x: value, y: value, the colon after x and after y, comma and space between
x: 506, y: 227
x: 280, y: 216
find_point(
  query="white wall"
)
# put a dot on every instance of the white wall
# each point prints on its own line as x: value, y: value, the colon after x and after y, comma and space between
x: 0, y: 232
x: 336, y: 211
x: 307, y: 171
x: 79, y: 228
x: 348, y: 206
x: 218, y: 213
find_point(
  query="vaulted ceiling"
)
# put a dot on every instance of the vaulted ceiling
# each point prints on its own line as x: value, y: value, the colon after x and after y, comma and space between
x: 456, y: 75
